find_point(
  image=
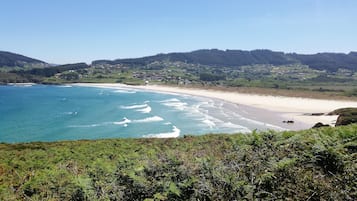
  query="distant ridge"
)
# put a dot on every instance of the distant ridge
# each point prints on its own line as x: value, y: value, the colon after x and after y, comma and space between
x: 9, y: 59
x: 235, y: 58
x: 213, y: 57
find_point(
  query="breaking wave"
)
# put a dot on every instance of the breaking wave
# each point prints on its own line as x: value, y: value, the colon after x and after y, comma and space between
x: 126, y: 121
x: 133, y: 106
x: 175, y: 103
x: 149, y: 119
x: 124, y: 91
x: 145, y: 110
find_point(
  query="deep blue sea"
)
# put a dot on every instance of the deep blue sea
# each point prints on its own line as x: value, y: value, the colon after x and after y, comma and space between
x: 51, y: 113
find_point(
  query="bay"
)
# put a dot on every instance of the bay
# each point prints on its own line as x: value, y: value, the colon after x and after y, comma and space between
x: 52, y: 113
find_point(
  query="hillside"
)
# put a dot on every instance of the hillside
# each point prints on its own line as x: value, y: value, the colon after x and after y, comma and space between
x: 234, y: 58
x: 316, y: 164
x: 328, y: 61
x: 214, y: 57
x: 39, y: 75
x: 8, y: 59
x: 331, y: 74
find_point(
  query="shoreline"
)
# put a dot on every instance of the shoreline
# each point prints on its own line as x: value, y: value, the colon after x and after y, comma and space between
x: 265, y: 108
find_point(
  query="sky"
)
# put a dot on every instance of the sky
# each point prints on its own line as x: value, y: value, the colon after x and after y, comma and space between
x: 69, y: 31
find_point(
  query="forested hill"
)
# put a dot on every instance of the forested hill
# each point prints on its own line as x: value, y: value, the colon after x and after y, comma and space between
x: 8, y: 59
x: 328, y: 61
x: 228, y: 58
x: 213, y: 57
x: 234, y: 58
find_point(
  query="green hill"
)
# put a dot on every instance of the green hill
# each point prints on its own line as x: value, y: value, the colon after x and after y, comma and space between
x: 214, y: 57
x: 234, y: 58
x: 316, y: 164
x: 8, y: 59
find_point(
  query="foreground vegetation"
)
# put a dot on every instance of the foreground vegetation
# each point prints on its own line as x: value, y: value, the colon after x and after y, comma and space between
x: 316, y: 164
x: 346, y: 116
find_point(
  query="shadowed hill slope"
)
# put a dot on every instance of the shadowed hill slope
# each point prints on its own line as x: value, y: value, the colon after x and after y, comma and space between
x: 8, y: 59
x: 234, y: 58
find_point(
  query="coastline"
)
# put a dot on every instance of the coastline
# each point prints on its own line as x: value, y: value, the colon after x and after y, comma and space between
x: 264, y: 108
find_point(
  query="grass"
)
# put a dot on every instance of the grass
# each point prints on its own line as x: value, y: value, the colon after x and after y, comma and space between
x: 316, y: 164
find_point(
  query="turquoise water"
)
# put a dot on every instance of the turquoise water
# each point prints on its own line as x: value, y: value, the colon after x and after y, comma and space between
x: 51, y: 113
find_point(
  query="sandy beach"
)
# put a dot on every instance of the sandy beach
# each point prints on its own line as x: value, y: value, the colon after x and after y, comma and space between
x: 266, y: 108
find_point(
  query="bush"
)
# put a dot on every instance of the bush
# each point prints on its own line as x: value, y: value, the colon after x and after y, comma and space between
x: 316, y: 164
x: 329, y: 161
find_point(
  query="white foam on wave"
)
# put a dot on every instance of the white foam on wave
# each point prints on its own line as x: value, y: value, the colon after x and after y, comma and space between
x: 239, y: 128
x: 149, y: 119
x: 133, y: 106
x: 124, y: 122
x: 175, y: 103
x: 28, y: 85
x: 145, y: 110
x: 64, y: 86
x: 124, y: 91
x: 201, y: 110
x: 207, y: 104
x: 170, y: 100
x: 210, y: 123
x: 175, y: 133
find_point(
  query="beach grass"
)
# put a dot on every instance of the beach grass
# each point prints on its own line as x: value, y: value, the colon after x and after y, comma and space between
x: 315, y: 164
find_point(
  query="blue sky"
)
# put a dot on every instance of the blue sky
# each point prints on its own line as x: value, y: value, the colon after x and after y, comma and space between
x: 66, y: 31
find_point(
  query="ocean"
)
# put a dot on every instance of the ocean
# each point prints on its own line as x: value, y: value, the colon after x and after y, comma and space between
x: 31, y: 113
